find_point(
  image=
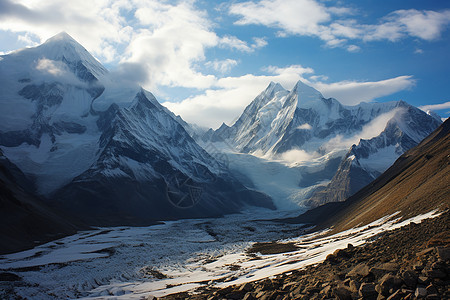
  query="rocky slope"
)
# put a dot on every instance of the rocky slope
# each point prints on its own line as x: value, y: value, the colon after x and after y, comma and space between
x: 412, y: 262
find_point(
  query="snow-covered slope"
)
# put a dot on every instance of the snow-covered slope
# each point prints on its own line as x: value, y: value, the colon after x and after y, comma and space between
x: 111, y: 155
x: 301, y: 126
x: 368, y: 159
x: 277, y: 121
x: 48, y: 129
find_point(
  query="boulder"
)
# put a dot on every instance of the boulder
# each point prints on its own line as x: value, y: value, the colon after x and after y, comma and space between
x: 361, y: 269
x: 342, y: 293
x: 409, y: 277
x: 388, y: 284
x: 384, y: 268
x: 398, y: 295
x: 7, y: 276
x: 420, y: 292
x: 367, y: 290
x: 443, y: 253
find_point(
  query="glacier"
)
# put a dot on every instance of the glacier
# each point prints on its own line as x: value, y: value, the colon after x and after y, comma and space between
x: 314, y: 137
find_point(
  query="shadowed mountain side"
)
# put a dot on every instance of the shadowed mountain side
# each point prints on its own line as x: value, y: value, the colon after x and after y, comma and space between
x: 416, y: 183
x: 24, y: 220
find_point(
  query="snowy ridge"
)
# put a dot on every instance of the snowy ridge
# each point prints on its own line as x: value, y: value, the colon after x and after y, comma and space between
x: 62, y: 47
x: 301, y: 126
x: 278, y: 120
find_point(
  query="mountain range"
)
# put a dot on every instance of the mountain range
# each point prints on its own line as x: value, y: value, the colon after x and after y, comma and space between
x: 416, y: 183
x: 351, y: 145
x: 109, y: 154
x: 77, y: 140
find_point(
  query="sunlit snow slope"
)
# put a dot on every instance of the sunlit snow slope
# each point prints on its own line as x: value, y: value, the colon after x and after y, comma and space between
x: 354, y: 144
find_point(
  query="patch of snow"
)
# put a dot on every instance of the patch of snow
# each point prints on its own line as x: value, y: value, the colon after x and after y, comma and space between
x: 381, y: 160
x: 115, y: 262
x: 305, y: 126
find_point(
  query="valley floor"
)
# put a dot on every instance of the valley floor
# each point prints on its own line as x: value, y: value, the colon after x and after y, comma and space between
x: 198, y: 256
x: 410, y: 262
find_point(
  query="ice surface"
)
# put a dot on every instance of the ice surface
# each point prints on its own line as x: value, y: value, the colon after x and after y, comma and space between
x: 117, y: 263
x: 276, y: 178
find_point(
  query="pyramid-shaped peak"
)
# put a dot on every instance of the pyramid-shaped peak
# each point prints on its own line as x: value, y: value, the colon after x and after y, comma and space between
x: 62, y: 36
x: 274, y: 86
x: 303, y: 87
x: 63, y: 47
x: 305, y: 92
x: 64, y: 41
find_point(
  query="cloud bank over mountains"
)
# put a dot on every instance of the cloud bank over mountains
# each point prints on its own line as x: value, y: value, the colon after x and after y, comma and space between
x: 167, y: 44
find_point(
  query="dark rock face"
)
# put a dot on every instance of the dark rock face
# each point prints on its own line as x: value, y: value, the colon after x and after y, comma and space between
x: 348, y: 179
x: 148, y: 171
x: 26, y: 220
x: 106, y: 201
x: 69, y: 127
x: 45, y: 95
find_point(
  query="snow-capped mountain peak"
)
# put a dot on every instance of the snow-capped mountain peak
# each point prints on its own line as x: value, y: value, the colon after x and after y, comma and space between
x: 59, y: 56
x: 109, y: 156
x: 301, y: 124
x: 273, y: 87
x: 306, y: 94
x: 62, y: 47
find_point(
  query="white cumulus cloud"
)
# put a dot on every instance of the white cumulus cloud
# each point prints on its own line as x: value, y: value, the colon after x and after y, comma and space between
x: 370, y: 130
x: 230, y: 95
x: 334, y: 25
x: 222, y: 66
x: 433, y: 107
x: 354, y: 92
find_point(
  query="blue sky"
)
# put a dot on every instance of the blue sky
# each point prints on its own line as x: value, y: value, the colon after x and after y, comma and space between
x: 206, y: 60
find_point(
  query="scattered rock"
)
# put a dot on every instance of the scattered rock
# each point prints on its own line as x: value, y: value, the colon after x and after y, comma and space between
x: 384, y: 268
x: 249, y: 296
x: 425, y: 252
x: 395, y: 296
x: 423, y: 280
x: 388, y: 284
x: 235, y: 295
x: 434, y: 273
x: 396, y: 265
x: 431, y: 289
x: 354, y: 286
x: 246, y: 287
